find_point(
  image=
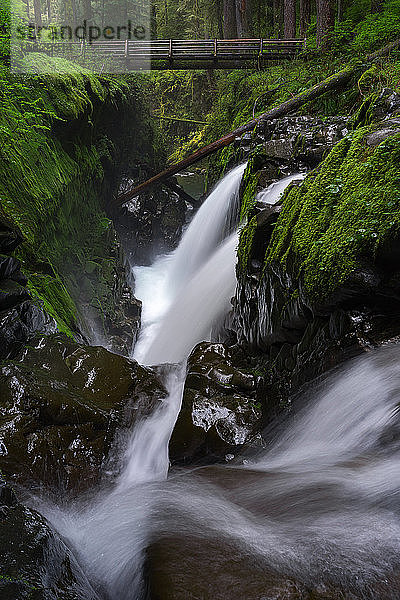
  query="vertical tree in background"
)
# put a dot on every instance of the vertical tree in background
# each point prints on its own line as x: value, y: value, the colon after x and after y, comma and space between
x: 37, y: 9
x: 87, y: 9
x: 305, y: 16
x: 230, y: 30
x: 325, y: 22
x: 289, y: 19
x: 277, y: 9
x: 243, y: 18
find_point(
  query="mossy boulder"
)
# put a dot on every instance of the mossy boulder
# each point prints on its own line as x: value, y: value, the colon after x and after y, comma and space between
x: 219, y: 413
x: 35, y: 563
x: 62, y: 404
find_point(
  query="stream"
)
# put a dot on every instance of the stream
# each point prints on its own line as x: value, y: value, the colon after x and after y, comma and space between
x: 319, y: 509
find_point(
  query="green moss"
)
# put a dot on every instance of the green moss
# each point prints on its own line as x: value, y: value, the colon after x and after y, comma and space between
x: 57, y: 135
x: 341, y: 213
x: 245, y: 244
x: 56, y: 301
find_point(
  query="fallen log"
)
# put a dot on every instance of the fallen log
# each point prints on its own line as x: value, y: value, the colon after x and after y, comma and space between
x: 335, y: 81
x: 331, y: 83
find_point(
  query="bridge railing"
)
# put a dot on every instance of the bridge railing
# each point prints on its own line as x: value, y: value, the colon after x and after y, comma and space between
x: 213, y: 49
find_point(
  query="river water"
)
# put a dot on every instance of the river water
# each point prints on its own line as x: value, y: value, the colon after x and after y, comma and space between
x: 319, y: 509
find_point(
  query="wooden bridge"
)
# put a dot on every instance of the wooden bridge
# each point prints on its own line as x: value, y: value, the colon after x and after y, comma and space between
x: 196, y: 54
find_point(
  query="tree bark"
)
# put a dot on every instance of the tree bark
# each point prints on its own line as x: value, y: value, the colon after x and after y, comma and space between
x: 305, y: 16
x: 289, y: 19
x: 243, y: 18
x: 325, y: 22
x: 230, y: 30
x: 335, y: 81
x: 38, y: 13
x: 277, y: 8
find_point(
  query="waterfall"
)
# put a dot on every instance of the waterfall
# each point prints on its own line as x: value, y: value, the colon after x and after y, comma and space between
x: 321, y: 505
x: 204, y: 299
x: 170, y: 277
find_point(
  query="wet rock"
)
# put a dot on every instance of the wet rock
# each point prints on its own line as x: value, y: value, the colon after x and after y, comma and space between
x: 301, y: 140
x: 300, y: 339
x: 35, y: 563
x: 62, y: 404
x: 11, y: 293
x: 386, y: 106
x: 150, y: 224
x: 219, y: 414
x: 10, y: 269
x: 388, y: 128
x: 19, y: 324
x: 9, y: 238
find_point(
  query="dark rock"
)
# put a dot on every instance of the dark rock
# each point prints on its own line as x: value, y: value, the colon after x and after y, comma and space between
x: 386, y: 106
x: 35, y: 563
x: 61, y: 406
x: 19, y: 324
x: 11, y: 293
x: 10, y: 269
x: 218, y: 414
x: 300, y: 339
x: 301, y: 141
x: 9, y: 238
x: 150, y: 224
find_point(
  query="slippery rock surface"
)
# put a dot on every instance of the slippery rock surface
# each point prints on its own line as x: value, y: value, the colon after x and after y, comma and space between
x: 219, y: 414
x: 61, y: 406
x: 150, y: 224
x: 34, y: 562
x: 301, y: 141
x: 21, y: 317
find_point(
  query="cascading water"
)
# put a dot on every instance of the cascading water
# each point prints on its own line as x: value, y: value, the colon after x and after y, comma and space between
x: 171, y: 276
x: 320, y: 507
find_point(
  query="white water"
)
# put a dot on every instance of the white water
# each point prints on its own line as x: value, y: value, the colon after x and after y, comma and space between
x: 273, y: 193
x: 172, y: 277
x: 322, y: 505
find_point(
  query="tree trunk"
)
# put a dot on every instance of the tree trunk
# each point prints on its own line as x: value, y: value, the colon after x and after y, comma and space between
x: 333, y: 82
x: 325, y: 23
x: 305, y: 16
x: 277, y: 9
x: 243, y: 18
x: 289, y: 19
x: 230, y: 30
x: 74, y: 14
x: 38, y: 13
x: 87, y: 6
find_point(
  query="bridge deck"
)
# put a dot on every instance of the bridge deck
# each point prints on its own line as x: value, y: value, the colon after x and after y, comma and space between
x: 168, y: 54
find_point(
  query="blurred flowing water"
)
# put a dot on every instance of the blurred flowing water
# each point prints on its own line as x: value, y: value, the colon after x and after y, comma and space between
x: 320, y: 506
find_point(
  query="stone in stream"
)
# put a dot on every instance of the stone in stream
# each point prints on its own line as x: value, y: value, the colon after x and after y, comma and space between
x: 219, y: 414
x: 35, y: 564
x: 62, y: 405
x: 202, y: 550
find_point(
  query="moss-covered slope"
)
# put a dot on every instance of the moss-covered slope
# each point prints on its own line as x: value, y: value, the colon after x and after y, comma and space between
x: 63, y: 141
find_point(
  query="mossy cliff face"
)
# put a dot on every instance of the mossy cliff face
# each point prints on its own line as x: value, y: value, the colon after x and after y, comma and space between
x: 64, y: 141
x: 319, y: 279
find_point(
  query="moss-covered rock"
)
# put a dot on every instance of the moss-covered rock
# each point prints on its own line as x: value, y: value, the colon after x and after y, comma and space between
x: 61, y: 406
x: 344, y: 212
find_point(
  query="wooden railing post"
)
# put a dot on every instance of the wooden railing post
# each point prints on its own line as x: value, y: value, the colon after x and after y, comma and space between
x: 126, y: 49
